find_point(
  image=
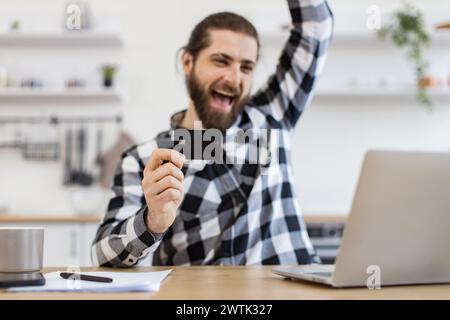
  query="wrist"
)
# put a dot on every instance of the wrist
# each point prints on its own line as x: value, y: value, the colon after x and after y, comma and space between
x: 152, y: 227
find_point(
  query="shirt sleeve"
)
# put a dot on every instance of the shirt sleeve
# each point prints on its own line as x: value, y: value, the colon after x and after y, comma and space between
x: 285, y: 95
x: 123, y: 238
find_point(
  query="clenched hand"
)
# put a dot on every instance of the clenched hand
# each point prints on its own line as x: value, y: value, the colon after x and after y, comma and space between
x: 163, y: 188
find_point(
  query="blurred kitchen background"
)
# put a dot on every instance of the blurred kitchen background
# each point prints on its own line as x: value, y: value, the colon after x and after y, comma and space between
x: 75, y: 93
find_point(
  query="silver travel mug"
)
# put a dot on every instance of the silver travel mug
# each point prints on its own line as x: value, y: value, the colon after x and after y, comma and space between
x: 21, y: 249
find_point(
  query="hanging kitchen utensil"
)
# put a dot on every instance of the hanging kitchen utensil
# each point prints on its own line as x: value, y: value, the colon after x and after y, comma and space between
x: 68, y: 157
x: 98, y: 155
x: 73, y: 157
x: 83, y: 178
x: 41, y: 145
x: 42, y: 150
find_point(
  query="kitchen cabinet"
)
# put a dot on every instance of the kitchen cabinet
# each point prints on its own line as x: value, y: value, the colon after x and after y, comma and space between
x: 67, y: 241
x: 325, y: 232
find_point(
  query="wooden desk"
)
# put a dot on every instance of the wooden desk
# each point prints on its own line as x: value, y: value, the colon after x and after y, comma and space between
x: 240, y: 283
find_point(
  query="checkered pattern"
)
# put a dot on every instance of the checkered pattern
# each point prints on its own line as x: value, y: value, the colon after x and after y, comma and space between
x: 231, y: 213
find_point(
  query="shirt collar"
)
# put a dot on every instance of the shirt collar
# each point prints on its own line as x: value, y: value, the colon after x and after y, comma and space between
x: 175, y: 120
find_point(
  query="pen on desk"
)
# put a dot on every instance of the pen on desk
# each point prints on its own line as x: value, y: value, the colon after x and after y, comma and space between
x: 78, y: 276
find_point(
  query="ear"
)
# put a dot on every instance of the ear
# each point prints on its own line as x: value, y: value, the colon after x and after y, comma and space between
x: 187, y: 61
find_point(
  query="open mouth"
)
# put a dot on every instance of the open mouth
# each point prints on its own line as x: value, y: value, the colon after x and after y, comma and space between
x: 222, y: 100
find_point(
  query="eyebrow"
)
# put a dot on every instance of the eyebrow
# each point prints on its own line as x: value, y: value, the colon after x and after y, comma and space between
x: 229, y: 58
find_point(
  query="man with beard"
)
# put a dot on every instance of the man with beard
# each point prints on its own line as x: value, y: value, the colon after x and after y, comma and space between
x: 175, y: 212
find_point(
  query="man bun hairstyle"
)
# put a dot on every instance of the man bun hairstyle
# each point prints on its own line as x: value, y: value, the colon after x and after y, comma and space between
x: 200, y: 37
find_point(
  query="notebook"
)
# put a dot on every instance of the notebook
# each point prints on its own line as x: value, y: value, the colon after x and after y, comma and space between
x: 122, y: 282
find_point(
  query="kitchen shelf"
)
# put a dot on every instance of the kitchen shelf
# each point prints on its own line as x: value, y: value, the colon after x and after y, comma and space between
x: 68, y: 94
x: 437, y: 39
x: 441, y: 38
x: 325, y: 218
x: 19, y: 218
x: 74, y: 38
x: 381, y: 93
x: 313, y: 218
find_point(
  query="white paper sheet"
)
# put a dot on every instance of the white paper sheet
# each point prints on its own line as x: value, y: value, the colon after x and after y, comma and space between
x: 122, y: 282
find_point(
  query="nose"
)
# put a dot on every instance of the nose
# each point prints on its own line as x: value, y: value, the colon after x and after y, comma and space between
x: 233, y: 77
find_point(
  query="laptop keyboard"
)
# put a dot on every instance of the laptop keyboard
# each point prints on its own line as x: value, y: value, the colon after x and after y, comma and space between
x: 321, y: 273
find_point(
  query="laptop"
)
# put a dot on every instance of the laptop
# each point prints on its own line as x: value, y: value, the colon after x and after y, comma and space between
x: 398, y: 230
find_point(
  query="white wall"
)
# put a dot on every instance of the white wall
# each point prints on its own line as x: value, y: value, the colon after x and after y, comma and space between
x: 332, y: 135
x: 335, y: 133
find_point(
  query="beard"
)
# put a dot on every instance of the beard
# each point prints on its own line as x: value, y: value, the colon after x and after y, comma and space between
x: 201, y: 97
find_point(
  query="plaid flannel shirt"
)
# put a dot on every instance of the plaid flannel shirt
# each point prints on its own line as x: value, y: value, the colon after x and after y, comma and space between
x: 231, y: 213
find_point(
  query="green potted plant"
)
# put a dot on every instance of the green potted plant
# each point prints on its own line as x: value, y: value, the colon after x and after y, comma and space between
x: 15, y: 25
x: 407, y: 30
x: 108, y: 75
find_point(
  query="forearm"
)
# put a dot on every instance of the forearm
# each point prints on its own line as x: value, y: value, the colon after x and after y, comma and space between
x: 121, y: 243
x: 308, y: 43
x: 288, y: 91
